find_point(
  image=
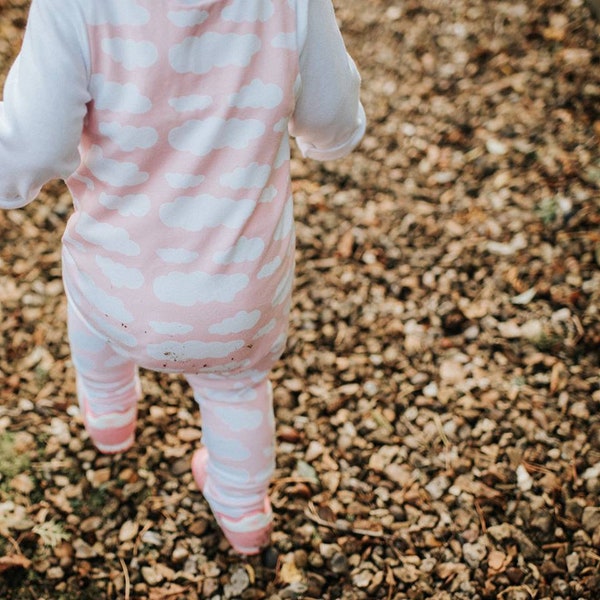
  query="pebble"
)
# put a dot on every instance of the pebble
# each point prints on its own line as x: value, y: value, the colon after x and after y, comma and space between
x: 524, y: 479
x: 90, y: 524
x: 288, y: 434
x: 437, y: 486
x: 474, y: 553
x: 339, y: 563
x: 240, y: 580
x: 189, y: 434
x: 181, y: 466
x: 22, y: 483
x: 362, y: 579
x: 152, y: 538
x: 209, y: 587
x: 572, y: 561
x: 270, y: 557
x: 55, y: 573
x: 407, y: 573
x: 128, y: 531
x: 180, y: 554
x: 591, y: 518
x: 314, y: 450
x: 98, y: 477
x: 60, y: 430
x: 151, y: 575
x: 83, y: 549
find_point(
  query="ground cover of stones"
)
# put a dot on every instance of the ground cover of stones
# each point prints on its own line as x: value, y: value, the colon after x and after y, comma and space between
x: 437, y: 404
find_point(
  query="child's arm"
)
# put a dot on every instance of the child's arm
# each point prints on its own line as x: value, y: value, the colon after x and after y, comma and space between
x: 45, y: 96
x: 329, y: 120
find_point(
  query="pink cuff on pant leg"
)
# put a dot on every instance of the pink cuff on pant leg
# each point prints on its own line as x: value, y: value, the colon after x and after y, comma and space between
x: 113, y: 432
x: 248, y: 534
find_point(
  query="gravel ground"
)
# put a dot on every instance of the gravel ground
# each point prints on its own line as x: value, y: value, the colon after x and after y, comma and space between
x: 439, y: 435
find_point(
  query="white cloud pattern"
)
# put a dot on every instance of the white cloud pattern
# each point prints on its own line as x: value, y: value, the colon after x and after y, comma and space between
x: 129, y: 138
x: 284, y: 289
x: 270, y: 326
x: 118, y: 97
x: 283, y: 154
x: 106, y: 304
x: 190, y: 289
x: 195, y: 213
x: 245, y: 250
x: 114, y: 172
x: 258, y: 94
x: 190, y: 103
x: 177, y: 256
x: 192, y: 350
x: 285, y: 41
x: 201, y: 136
x: 270, y: 268
x: 182, y: 181
x: 187, y: 18
x: 131, y: 54
x: 252, y: 176
x: 239, y: 419
x: 286, y: 222
x: 170, y: 328
x: 230, y: 449
x: 107, y: 236
x: 269, y: 194
x: 119, y: 275
x: 211, y: 50
x: 241, y: 11
x: 132, y: 205
x: 241, y: 321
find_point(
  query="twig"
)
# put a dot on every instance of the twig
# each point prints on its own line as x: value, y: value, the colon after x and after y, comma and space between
x: 14, y: 543
x: 127, y: 580
x: 280, y: 483
x: 533, y: 467
x: 481, y: 516
x: 138, y: 540
x: 311, y: 513
x: 593, y: 555
x: 440, y: 427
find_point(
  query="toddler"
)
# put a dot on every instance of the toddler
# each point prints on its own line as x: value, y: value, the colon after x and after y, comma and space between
x: 169, y: 120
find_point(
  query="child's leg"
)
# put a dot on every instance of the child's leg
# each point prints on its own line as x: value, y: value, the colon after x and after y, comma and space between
x: 236, y: 465
x: 108, y: 387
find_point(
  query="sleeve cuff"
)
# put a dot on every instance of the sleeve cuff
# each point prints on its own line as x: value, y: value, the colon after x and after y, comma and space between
x: 310, y: 151
x: 8, y: 203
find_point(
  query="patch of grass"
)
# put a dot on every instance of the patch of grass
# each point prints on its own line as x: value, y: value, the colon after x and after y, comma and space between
x: 41, y: 441
x: 97, y: 498
x: 548, y: 210
x: 11, y: 462
x: 546, y: 342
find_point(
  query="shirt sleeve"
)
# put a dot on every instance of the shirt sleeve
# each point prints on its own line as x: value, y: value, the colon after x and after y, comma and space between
x: 44, y: 103
x: 329, y: 119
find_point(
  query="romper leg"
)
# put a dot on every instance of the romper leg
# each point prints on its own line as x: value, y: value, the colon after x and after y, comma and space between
x: 108, y: 387
x: 235, y: 466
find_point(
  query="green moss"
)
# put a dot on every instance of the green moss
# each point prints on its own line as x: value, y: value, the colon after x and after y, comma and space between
x: 11, y: 462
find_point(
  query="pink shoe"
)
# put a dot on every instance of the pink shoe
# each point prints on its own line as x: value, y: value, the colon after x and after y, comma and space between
x: 112, y: 432
x: 247, y: 535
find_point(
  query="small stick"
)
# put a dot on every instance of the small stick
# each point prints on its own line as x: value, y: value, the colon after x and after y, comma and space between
x: 127, y: 580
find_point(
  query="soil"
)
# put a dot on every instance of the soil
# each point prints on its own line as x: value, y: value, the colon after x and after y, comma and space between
x: 437, y: 403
